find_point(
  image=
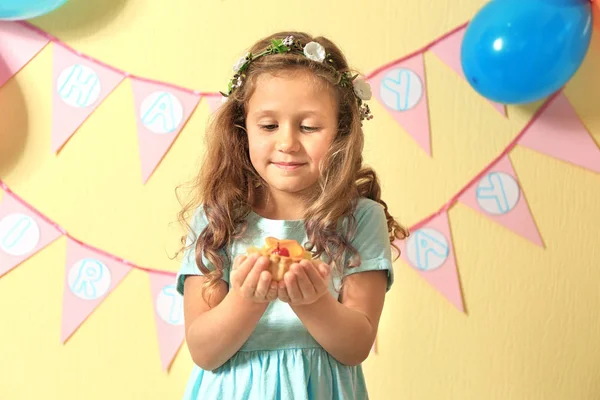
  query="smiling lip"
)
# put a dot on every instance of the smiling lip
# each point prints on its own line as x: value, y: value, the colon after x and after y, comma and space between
x: 288, y: 166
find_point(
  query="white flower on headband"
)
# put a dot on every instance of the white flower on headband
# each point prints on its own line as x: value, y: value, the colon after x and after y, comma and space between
x: 288, y: 41
x: 362, y: 89
x: 314, y: 51
x: 240, y: 63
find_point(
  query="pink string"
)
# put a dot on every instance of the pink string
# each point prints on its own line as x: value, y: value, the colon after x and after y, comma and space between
x: 414, y: 53
x: 481, y: 173
x: 85, y: 245
x: 418, y: 225
x: 59, y: 42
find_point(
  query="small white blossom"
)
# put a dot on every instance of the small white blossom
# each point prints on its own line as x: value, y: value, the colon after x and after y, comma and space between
x: 288, y: 41
x: 362, y: 89
x: 240, y: 63
x: 314, y: 51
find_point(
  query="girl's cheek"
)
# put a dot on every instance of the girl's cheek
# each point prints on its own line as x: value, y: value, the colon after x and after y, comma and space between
x: 263, y: 144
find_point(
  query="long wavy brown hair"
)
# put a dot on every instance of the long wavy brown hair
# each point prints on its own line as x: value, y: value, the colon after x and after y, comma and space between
x: 228, y: 186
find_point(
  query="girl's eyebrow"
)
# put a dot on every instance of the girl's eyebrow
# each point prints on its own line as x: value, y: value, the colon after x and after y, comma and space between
x: 304, y: 113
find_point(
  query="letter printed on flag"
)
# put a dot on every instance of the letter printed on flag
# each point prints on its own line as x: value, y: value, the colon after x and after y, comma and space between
x: 499, y: 196
x: 90, y: 277
x: 401, y: 88
x: 22, y: 233
x: 430, y: 252
x: 168, y: 313
x: 162, y: 112
x: 79, y: 87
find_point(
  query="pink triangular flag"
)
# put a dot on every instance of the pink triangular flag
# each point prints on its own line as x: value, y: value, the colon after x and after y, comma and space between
x: 168, y: 313
x: 89, y: 278
x: 402, y: 89
x: 558, y: 132
x: 214, y: 101
x: 79, y: 87
x: 18, y: 46
x: 448, y: 50
x: 22, y: 233
x: 161, y: 114
x: 499, y: 196
x: 429, y: 250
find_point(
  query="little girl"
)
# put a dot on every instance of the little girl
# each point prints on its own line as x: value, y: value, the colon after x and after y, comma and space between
x: 284, y: 160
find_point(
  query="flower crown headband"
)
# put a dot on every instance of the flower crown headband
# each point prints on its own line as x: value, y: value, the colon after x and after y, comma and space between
x: 313, y: 51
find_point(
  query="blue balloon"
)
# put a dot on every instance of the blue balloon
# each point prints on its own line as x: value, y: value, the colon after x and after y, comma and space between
x: 13, y: 10
x: 520, y: 51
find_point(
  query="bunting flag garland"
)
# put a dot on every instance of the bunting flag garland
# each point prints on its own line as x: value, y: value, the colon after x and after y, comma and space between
x: 448, y: 50
x: 168, y: 312
x: 214, y: 101
x: 81, y: 84
x: 498, y: 195
x: 429, y: 250
x: 161, y: 114
x: 18, y: 46
x: 401, y: 88
x: 89, y: 279
x: 22, y: 233
x: 560, y: 133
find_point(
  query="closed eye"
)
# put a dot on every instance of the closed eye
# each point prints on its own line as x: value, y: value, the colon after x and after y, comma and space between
x: 309, y: 128
x: 268, y: 128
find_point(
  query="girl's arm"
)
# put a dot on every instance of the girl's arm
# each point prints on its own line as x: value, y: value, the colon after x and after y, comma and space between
x: 216, y: 331
x: 345, y: 329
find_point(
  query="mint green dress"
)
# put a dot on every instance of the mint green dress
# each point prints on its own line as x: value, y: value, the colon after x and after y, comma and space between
x: 280, y: 359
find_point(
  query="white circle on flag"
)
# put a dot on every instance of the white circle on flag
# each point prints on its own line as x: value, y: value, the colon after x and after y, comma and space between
x: 427, y: 249
x: 78, y: 86
x: 498, y: 193
x: 89, y: 279
x: 169, y: 305
x: 161, y: 112
x: 401, y: 89
x: 19, y: 234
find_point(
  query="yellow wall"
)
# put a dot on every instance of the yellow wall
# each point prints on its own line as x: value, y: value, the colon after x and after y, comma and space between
x: 532, y: 326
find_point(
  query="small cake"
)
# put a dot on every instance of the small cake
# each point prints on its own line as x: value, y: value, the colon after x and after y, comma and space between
x: 282, y: 254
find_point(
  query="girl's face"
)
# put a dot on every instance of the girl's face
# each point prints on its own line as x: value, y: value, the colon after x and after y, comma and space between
x: 291, y: 122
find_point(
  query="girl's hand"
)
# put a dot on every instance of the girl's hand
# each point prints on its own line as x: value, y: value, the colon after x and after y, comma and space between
x: 250, y: 280
x: 304, y: 283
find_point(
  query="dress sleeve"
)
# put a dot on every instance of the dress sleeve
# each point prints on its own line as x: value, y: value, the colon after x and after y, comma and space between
x: 188, y: 264
x: 372, y: 242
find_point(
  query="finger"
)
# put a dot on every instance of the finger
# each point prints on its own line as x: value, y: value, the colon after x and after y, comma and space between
x: 314, y: 275
x: 251, y: 281
x: 291, y: 285
x: 324, y: 270
x: 260, y: 264
x: 272, y: 293
x: 264, y: 284
x: 304, y: 283
x: 282, y: 292
x: 239, y: 260
x: 245, y: 265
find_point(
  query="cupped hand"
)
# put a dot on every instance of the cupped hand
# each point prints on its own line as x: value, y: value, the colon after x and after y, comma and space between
x: 305, y: 283
x: 250, y: 279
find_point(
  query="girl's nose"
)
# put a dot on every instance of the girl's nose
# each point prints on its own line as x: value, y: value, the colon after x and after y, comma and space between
x: 287, y: 140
